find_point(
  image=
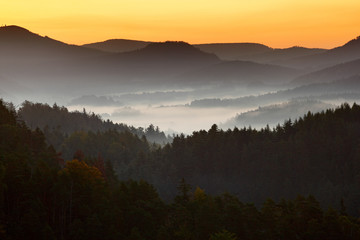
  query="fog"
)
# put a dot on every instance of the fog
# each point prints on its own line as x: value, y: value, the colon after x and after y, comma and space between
x: 176, y: 86
x: 181, y: 112
x: 172, y: 117
x: 170, y: 110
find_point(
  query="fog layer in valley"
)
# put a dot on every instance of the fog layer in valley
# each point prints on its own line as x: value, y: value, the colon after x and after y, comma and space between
x: 177, y: 86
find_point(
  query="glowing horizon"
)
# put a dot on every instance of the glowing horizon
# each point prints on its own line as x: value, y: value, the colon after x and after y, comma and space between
x: 277, y: 23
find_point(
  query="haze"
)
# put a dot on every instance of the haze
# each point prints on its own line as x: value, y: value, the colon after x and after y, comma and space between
x: 175, y: 85
x: 277, y: 23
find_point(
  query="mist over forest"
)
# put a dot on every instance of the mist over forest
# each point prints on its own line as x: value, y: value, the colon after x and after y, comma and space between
x: 141, y: 83
x: 160, y: 129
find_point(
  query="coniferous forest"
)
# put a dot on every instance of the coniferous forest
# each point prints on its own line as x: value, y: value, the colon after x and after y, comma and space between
x: 99, y: 180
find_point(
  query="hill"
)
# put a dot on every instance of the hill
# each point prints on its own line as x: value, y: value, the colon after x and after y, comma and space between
x: 273, y: 115
x: 17, y: 43
x: 315, y: 154
x: 157, y: 63
x: 170, y: 51
x: 57, y: 123
x: 44, y: 197
x: 281, y: 56
x: 233, y: 51
x: 341, y: 89
x: 257, y: 52
x: 243, y: 73
x: 348, y: 52
x: 41, y: 65
x: 117, y: 45
x: 339, y: 71
x: 46, y: 67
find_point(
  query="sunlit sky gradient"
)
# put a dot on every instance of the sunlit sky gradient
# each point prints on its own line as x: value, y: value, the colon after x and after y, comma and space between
x: 276, y: 23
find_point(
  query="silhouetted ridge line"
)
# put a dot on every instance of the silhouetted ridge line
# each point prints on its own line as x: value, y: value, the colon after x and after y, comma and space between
x: 178, y: 47
x: 170, y: 51
x: 117, y: 45
x: 353, y: 42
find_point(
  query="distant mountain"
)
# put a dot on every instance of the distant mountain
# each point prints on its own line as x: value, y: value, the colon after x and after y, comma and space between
x: 339, y: 89
x: 243, y: 72
x: 281, y: 56
x: 41, y: 64
x: 233, y: 51
x: 171, y: 51
x: 158, y: 62
x: 339, y: 71
x: 276, y: 114
x: 117, y: 45
x: 20, y: 44
x: 44, y: 65
x: 348, y: 52
x: 257, y: 52
x: 92, y: 100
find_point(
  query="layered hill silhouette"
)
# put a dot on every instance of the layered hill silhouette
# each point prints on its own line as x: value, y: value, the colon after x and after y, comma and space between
x: 44, y: 65
x: 225, y: 51
x: 117, y: 45
x: 234, y: 51
x: 339, y: 71
x: 282, y: 56
x: 348, y: 52
x: 17, y: 42
x: 258, y: 52
x: 243, y: 72
x: 272, y: 115
x: 347, y: 88
x: 155, y: 63
x: 34, y: 61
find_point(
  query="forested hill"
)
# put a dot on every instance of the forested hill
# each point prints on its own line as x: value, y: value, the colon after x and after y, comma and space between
x: 43, y: 198
x: 317, y: 154
x: 56, y: 122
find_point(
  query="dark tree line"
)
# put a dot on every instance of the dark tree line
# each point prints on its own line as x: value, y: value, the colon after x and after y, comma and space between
x: 44, y: 197
x: 58, y: 122
x: 316, y: 154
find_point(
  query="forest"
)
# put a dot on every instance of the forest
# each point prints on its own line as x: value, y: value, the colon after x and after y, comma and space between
x: 316, y: 154
x: 299, y: 180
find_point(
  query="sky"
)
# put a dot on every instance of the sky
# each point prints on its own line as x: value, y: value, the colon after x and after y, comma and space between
x: 275, y: 23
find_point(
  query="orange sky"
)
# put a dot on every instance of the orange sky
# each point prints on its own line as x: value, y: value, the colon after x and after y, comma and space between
x: 278, y: 23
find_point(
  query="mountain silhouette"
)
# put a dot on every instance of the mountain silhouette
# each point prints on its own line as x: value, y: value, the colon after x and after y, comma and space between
x: 233, y: 51
x: 281, y: 56
x: 17, y: 42
x: 159, y: 62
x: 40, y: 62
x: 275, y: 114
x: 117, y: 45
x: 44, y: 65
x: 318, y: 91
x: 348, y: 52
x: 257, y: 52
x: 243, y: 72
x: 339, y: 71
x: 172, y: 51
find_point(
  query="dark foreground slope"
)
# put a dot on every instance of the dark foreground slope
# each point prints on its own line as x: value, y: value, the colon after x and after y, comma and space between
x: 41, y: 197
x: 57, y: 123
x: 317, y: 154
